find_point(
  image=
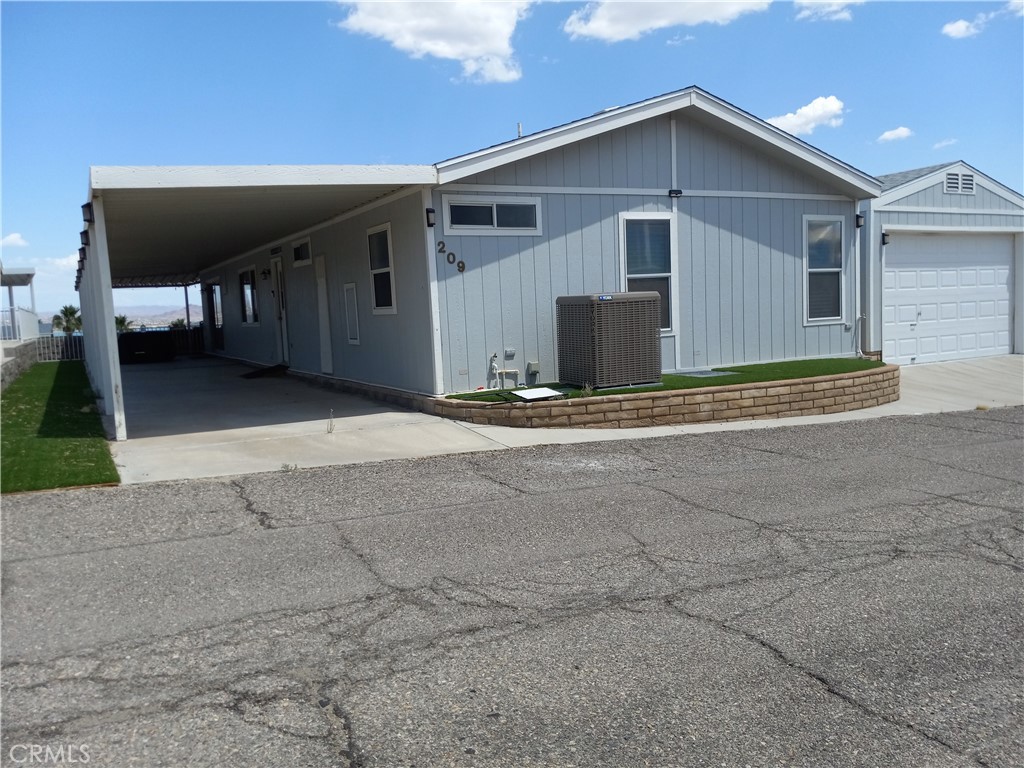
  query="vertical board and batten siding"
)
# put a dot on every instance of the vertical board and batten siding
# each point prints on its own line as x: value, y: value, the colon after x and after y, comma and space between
x: 935, y: 196
x: 395, y: 350
x: 740, y: 258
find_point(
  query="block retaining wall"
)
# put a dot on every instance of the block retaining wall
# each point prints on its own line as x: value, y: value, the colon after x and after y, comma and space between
x: 730, y: 402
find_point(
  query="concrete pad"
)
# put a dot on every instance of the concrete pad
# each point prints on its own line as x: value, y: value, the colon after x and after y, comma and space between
x: 201, y: 418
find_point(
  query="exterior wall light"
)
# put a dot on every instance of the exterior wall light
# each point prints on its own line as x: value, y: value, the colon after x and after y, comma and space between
x: 675, y: 193
x: 85, y: 236
x: 87, y: 215
x: 431, y: 217
x: 885, y: 238
x: 265, y: 274
x: 860, y: 220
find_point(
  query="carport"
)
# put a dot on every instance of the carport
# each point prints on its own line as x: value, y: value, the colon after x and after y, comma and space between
x: 161, y: 226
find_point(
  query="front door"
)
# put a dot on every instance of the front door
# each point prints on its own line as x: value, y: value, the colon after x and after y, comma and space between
x: 280, y: 309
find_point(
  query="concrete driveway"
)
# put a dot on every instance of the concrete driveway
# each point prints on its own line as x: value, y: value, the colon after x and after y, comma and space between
x: 201, y: 418
x: 842, y: 594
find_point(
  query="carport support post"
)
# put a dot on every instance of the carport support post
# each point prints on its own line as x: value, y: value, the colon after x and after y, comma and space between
x: 106, y: 332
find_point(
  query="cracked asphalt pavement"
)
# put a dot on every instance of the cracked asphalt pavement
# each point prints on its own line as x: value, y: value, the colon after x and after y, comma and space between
x: 845, y: 594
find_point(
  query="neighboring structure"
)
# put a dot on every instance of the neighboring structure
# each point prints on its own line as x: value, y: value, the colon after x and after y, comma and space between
x: 949, y: 282
x: 430, y: 279
x: 18, y: 323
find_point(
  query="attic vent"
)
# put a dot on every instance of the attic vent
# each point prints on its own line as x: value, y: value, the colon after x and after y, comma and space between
x: 960, y: 183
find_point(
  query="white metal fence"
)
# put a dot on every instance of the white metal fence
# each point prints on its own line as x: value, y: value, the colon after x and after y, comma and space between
x: 50, y: 348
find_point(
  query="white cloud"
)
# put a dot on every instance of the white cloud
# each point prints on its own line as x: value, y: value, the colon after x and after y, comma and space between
x: 944, y: 143
x: 60, y: 266
x: 476, y: 34
x: 824, y: 110
x: 962, y: 28
x: 14, y: 240
x: 614, y: 22
x: 825, y: 10
x: 896, y: 134
x: 680, y: 39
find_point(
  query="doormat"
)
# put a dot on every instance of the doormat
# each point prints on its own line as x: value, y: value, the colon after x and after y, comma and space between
x: 259, y: 373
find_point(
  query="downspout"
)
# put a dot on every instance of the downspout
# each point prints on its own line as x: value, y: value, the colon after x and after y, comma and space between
x: 858, y: 322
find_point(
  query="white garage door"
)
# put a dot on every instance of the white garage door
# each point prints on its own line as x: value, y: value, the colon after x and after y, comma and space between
x: 946, y: 297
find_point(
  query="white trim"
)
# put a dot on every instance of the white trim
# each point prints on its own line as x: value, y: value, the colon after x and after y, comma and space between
x: 929, y: 228
x: 397, y: 195
x: 937, y: 177
x: 841, y: 317
x: 677, y: 336
x: 350, y: 288
x: 540, y: 190
x: 451, y: 230
x: 296, y: 244
x: 390, y: 269
x: 940, y: 210
x: 187, y: 176
x: 433, y: 295
x: 279, y: 291
x: 673, y: 287
x: 113, y: 400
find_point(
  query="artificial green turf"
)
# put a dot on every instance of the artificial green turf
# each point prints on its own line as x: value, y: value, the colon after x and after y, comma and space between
x: 741, y: 374
x: 50, y: 433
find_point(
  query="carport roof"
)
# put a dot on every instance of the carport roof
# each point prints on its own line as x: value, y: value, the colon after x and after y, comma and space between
x: 166, y: 224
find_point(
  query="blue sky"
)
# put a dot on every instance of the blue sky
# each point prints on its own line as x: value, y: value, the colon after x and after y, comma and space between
x: 883, y: 86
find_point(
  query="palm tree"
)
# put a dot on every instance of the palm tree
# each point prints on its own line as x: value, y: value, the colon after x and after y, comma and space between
x: 122, y: 324
x: 69, y: 321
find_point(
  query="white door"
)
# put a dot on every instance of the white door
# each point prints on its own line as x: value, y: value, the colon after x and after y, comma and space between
x: 946, y: 297
x: 280, y: 309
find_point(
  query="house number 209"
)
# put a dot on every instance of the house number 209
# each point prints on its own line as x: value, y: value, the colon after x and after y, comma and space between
x: 450, y: 256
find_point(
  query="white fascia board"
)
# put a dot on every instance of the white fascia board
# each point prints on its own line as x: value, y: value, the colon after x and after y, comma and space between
x: 528, y: 146
x: 196, y: 176
x: 938, y: 177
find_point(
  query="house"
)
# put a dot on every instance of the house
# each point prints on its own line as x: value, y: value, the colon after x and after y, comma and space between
x: 943, y: 252
x: 415, y: 278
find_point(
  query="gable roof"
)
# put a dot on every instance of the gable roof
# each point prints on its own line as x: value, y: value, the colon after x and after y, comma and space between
x: 850, y: 180
x: 898, y: 185
x: 893, y: 180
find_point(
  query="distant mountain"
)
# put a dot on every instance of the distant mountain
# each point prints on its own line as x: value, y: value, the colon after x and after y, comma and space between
x: 159, y: 315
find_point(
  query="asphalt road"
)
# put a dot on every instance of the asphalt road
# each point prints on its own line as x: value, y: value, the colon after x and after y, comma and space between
x: 846, y: 594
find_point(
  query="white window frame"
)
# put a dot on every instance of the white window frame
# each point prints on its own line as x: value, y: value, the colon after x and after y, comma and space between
x: 957, y: 188
x: 254, y: 288
x: 807, y: 271
x: 351, y: 313
x: 305, y: 262
x: 673, y: 285
x: 390, y: 269
x: 492, y: 229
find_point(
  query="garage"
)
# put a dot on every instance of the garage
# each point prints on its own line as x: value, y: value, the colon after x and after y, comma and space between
x: 947, y: 297
x: 942, y: 264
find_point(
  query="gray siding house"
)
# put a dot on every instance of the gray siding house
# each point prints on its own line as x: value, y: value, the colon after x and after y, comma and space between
x: 943, y: 251
x: 442, y: 278
x: 748, y: 233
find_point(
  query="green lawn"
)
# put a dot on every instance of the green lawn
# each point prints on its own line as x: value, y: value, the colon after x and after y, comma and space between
x: 741, y: 374
x: 50, y: 433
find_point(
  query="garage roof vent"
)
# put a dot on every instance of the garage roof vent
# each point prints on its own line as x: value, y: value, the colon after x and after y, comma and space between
x: 960, y: 183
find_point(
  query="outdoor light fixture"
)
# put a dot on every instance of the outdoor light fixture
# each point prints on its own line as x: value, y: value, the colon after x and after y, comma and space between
x: 675, y: 193
x: 85, y: 236
x: 265, y: 274
x: 431, y: 217
x: 87, y: 215
x: 885, y: 238
x: 860, y: 220
x: 81, y: 255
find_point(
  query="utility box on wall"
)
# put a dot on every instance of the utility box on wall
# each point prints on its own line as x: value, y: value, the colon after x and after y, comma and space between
x: 610, y: 339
